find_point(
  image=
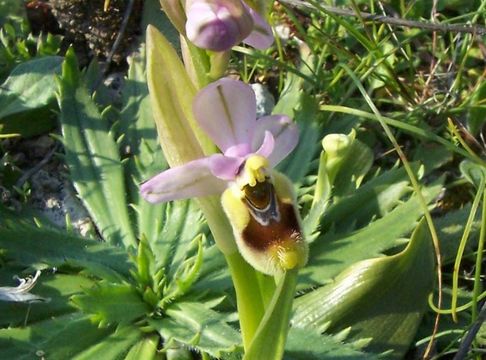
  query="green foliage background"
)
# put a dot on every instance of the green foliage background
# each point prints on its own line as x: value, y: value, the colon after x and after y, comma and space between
x: 149, y: 281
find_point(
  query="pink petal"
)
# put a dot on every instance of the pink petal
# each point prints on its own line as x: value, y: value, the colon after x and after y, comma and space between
x: 284, y: 131
x: 267, y: 146
x: 225, y: 167
x: 261, y: 37
x: 240, y: 150
x: 226, y: 110
x: 193, y: 179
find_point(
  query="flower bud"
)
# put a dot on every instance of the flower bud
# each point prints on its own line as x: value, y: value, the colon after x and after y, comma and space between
x: 336, y: 148
x: 336, y: 144
x: 217, y: 25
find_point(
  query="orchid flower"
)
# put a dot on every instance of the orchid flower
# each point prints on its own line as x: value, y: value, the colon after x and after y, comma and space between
x: 258, y: 200
x: 218, y: 25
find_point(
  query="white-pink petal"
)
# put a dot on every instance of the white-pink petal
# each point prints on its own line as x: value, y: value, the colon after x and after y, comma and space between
x: 226, y: 110
x: 193, y: 179
x: 268, y: 145
x: 261, y: 36
x: 225, y: 167
x: 284, y: 131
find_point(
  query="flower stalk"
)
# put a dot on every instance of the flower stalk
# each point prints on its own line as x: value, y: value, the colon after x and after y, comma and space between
x: 259, y: 226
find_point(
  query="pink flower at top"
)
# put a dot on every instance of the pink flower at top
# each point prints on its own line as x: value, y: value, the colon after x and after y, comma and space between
x: 226, y: 111
x: 218, y: 25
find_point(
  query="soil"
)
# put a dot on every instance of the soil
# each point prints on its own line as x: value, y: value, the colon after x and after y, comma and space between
x: 88, y: 27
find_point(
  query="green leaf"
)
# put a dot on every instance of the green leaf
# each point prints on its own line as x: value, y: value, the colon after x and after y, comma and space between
x: 432, y: 156
x: 473, y: 172
x: 477, y: 111
x: 171, y: 95
x: 169, y: 228
x: 58, y: 338
x: 356, y: 165
x: 30, y: 86
x: 450, y: 228
x: 93, y: 158
x: 197, y: 326
x: 114, y: 346
x: 29, y: 123
x: 57, y: 288
x: 382, y: 298
x: 11, y: 9
x: 374, y: 199
x: 332, y: 253
x: 140, y: 148
x: 307, y: 344
x: 481, y: 336
x: 214, y: 275
x: 152, y: 15
x: 299, y: 161
x: 136, y: 119
x: 182, y: 223
x: 109, y: 303
x: 291, y: 95
x: 29, y: 245
x: 187, y: 272
x: 269, y: 340
x: 145, y: 349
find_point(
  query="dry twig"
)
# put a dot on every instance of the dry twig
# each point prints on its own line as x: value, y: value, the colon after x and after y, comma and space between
x: 460, y: 28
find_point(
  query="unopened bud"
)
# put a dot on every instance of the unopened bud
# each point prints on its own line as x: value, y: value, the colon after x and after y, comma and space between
x: 217, y: 25
x: 336, y: 148
x: 336, y: 144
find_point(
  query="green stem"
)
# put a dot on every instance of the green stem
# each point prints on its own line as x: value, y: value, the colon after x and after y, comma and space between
x: 248, y: 297
x: 219, y: 63
x: 479, y: 261
x: 196, y: 63
x: 219, y: 224
x: 462, y: 246
x: 267, y: 287
x: 249, y: 301
x: 269, y: 340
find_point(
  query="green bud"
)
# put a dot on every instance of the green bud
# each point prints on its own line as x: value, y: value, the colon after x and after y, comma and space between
x: 336, y: 148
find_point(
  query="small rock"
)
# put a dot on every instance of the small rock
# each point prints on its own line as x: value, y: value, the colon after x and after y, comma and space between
x: 45, y: 182
x: 265, y: 101
x: 7, y: 200
x: 114, y: 84
x: 39, y: 147
x: 283, y: 32
x: 77, y: 213
x: 55, y: 198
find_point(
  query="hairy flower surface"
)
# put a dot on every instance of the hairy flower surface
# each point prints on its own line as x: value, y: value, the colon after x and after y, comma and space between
x: 258, y: 200
x: 218, y: 25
